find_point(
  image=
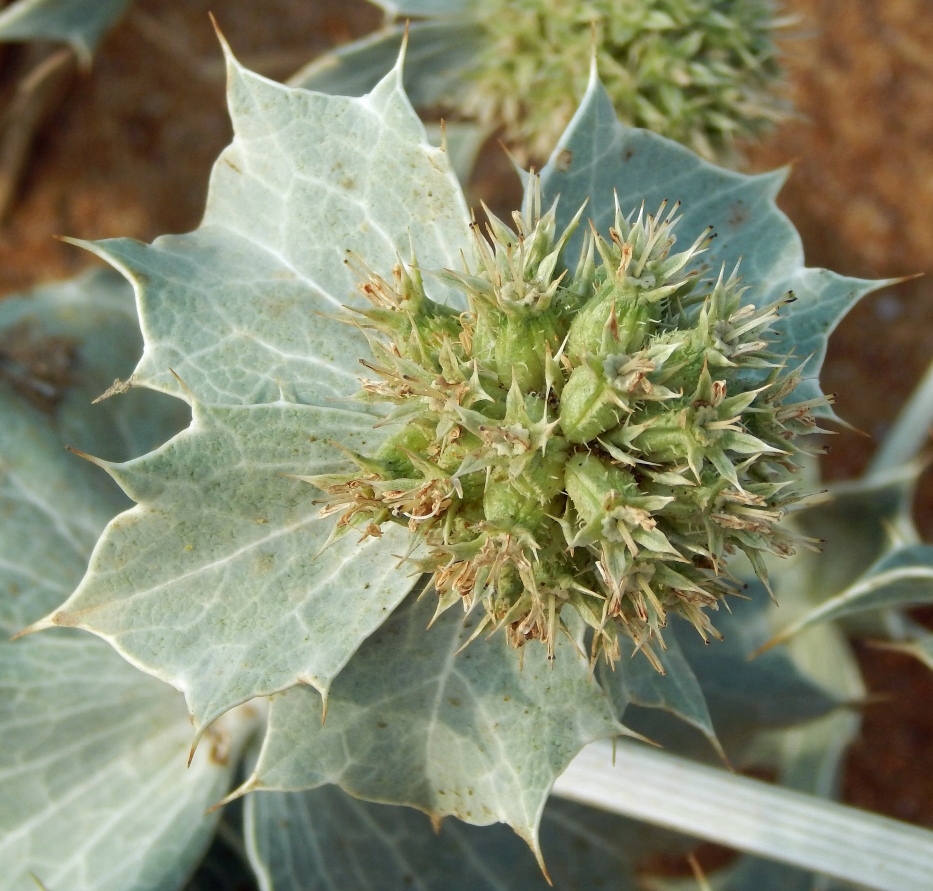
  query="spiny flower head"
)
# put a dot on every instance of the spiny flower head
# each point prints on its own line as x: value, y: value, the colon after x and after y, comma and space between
x: 599, y: 438
x: 698, y: 71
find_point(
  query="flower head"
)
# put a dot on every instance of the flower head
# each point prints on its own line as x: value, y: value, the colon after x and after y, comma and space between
x: 699, y: 71
x: 597, y: 437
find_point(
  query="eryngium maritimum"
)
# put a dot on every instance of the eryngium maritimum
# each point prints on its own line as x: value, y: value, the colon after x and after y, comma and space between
x: 702, y: 72
x: 600, y: 440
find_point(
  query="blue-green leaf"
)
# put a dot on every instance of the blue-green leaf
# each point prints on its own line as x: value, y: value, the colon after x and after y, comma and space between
x: 413, y: 720
x: 96, y: 792
x: 324, y: 839
x: 218, y: 581
x: 436, y: 56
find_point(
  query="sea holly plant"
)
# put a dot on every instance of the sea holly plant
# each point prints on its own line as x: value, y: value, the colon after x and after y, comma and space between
x: 703, y: 72
x: 597, y: 492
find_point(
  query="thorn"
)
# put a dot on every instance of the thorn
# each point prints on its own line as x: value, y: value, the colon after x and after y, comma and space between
x: 98, y: 462
x: 183, y: 385
x: 251, y: 784
x: 41, y: 625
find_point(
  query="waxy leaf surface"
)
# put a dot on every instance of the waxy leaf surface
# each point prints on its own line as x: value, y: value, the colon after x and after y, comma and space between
x: 411, y: 721
x: 218, y: 581
x: 598, y: 156
x: 96, y: 793
x: 324, y: 839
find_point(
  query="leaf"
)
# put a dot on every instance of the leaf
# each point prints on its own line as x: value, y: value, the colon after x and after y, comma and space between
x: 463, y: 140
x: 902, y: 577
x: 412, y: 721
x: 96, y: 795
x: 63, y: 345
x: 598, y: 155
x: 230, y: 545
x: 855, y: 524
x: 216, y: 582
x: 436, y: 57
x: 743, y: 693
x: 324, y: 839
x: 633, y: 681
x: 427, y: 8
x: 800, y: 830
x: 81, y: 23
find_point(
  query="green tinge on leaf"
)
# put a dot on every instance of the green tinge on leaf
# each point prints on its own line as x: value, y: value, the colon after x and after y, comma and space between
x: 81, y: 23
x: 598, y: 156
x: 412, y: 721
x: 324, y: 839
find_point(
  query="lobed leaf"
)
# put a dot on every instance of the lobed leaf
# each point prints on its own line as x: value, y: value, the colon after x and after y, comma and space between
x: 218, y: 581
x: 414, y: 720
x: 96, y: 794
x: 635, y: 682
x: 324, y: 839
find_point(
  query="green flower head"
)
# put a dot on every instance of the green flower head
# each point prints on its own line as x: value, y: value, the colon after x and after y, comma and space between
x: 597, y: 437
x: 699, y: 71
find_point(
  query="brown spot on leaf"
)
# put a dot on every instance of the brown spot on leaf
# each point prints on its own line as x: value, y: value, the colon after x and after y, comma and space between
x: 40, y: 368
x: 564, y: 160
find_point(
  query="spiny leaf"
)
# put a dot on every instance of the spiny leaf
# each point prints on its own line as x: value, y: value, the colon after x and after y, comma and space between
x: 598, y: 156
x: 413, y: 720
x: 96, y: 795
x: 216, y: 581
x: 229, y: 544
x: 324, y: 839
x: 634, y: 681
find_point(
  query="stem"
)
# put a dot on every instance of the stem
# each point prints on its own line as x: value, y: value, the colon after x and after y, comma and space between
x: 752, y: 816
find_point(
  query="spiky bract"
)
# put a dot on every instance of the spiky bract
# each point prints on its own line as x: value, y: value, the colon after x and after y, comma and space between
x: 702, y: 72
x: 600, y: 440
